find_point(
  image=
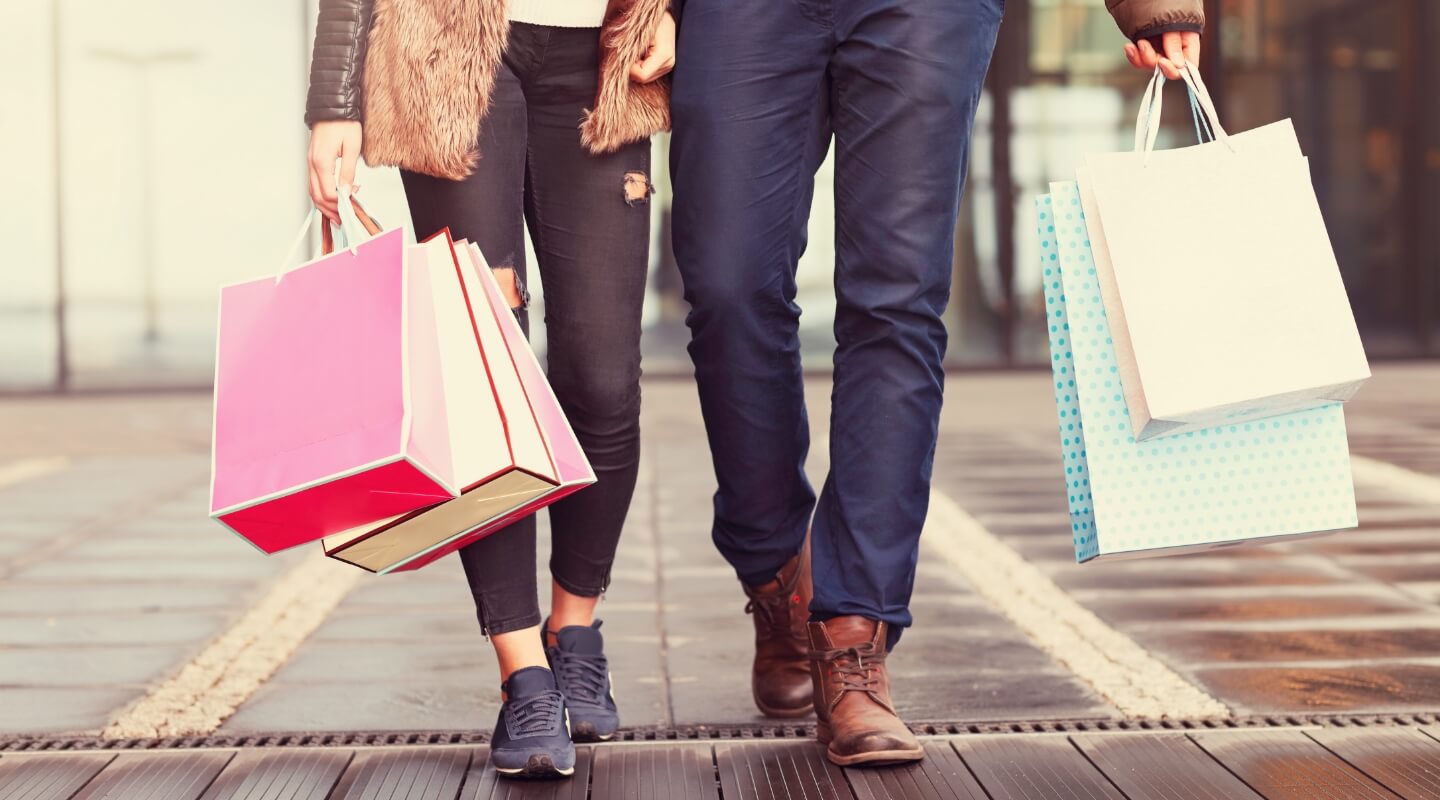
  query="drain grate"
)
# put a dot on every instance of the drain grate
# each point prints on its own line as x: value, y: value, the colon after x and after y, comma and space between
x: 699, y: 733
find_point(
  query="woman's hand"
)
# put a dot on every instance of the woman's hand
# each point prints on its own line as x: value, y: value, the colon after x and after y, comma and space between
x: 660, y: 58
x: 330, y: 140
x: 1179, y: 48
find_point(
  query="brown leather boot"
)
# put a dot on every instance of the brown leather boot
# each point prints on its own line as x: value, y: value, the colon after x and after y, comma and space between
x: 780, y: 679
x: 857, y: 721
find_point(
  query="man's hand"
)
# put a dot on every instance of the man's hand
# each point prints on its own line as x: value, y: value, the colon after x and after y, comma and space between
x: 328, y: 141
x: 660, y: 58
x: 1179, y: 48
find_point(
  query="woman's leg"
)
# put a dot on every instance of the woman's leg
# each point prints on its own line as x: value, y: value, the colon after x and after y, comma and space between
x: 589, y: 217
x: 487, y: 208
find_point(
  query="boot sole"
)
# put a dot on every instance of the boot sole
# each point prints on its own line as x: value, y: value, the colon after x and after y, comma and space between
x: 877, y: 758
x: 785, y: 713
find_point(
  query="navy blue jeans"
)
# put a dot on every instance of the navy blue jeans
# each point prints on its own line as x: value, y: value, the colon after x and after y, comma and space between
x: 760, y: 88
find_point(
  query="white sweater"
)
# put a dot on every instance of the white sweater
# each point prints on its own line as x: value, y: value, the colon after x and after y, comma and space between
x: 559, y: 13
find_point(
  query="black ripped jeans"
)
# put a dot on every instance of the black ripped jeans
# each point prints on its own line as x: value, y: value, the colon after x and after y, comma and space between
x: 589, y: 219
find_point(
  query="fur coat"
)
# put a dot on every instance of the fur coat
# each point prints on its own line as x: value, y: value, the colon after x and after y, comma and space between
x: 425, y: 70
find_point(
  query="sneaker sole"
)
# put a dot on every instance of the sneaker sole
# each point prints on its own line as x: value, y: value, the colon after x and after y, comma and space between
x: 538, y: 767
x: 584, y: 732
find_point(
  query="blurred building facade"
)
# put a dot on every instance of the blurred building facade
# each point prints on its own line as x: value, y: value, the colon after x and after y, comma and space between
x: 217, y: 120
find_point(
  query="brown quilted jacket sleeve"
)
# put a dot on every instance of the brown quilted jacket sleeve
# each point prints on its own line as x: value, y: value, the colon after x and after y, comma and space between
x: 1142, y: 19
x: 338, y: 60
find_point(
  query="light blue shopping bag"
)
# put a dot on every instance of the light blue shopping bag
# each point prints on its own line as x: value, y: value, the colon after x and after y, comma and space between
x: 1259, y: 481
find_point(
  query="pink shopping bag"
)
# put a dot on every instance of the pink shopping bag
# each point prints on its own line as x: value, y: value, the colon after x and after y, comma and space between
x: 329, y: 407
x: 537, y: 433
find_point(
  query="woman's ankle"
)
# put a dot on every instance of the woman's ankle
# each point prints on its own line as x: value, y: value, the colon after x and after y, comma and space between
x: 568, y: 609
x: 517, y: 650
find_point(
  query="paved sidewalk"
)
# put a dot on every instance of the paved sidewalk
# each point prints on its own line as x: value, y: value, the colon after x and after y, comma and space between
x: 112, y: 581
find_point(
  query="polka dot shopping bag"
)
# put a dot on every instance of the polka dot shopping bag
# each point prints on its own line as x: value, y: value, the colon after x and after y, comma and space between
x: 1228, y: 483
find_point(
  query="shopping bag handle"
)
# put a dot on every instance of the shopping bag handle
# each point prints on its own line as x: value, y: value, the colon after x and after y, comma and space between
x: 327, y: 235
x: 1147, y: 122
x: 358, y: 219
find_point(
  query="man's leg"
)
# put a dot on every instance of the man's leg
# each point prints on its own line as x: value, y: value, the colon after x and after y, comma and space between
x: 907, y: 75
x: 750, y: 119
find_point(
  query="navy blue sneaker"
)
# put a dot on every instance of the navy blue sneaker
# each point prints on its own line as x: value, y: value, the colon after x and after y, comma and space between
x: 583, y: 673
x: 532, y: 735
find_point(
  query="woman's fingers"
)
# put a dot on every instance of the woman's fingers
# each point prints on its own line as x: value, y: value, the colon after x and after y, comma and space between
x: 329, y: 141
x: 317, y: 191
x: 348, y: 159
x: 654, y: 67
x: 640, y: 71
x: 660, y: 57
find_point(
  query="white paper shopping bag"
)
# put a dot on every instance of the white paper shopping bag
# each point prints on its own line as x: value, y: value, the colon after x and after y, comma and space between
x: 1233, y: 483
x: 514, y: 449
x: 1218, y: 276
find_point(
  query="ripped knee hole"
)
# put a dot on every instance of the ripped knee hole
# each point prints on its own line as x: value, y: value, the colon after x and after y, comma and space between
x: 512, y: 287
x: 637, y: 188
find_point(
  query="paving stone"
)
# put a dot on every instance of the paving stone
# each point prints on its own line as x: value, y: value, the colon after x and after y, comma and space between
x: 166, y: 628
x: 47, y: 598
x: 201, y: 545
x: 457, y: 661
x: 152, y: 570
x: 60, y: 710
x: 13, y: 546
x: 1401, y: 573
x: 382, y: 593
x: 1158, y: 575
x: 458, y: 624
x: 1382, y: 543
x: 396, y: 704
x: 1297, y: 645
x: 1120, y: 610
x: 1378, y: 688
x: 89, y: 666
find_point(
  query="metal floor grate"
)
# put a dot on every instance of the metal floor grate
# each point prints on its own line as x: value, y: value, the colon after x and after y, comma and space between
x: 708, y: 733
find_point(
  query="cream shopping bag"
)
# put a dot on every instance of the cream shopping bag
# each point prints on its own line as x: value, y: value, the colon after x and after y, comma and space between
x: 1221, y: 286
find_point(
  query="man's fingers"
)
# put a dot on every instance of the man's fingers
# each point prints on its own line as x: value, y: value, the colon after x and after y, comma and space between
x: 1148, y: 56
x: 1191, y: 42
x: 1132, y: 54
x: 1174, y: 49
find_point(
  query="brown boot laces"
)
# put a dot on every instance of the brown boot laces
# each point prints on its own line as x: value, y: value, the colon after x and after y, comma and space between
x: 855, y: 669
x: 772, y: 609
x: 772, y: 612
